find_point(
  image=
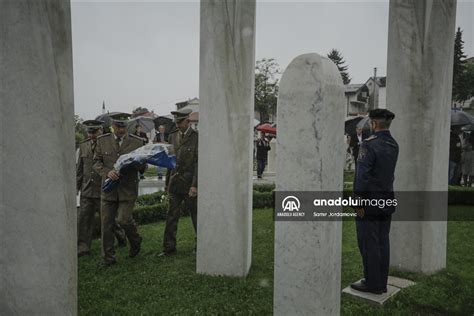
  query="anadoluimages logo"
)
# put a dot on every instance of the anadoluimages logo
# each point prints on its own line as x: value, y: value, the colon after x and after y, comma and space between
x: 291, y: 204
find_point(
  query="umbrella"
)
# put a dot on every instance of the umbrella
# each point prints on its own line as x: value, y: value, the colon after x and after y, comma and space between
x: 155, y: 154
x: 166, y: 122
x: 106, y: 118
x: 350, y: 124
x: 460, y: 118
x: 267, y: 128
x: 145, y: 122
x: 364, y: 123
x: 469, y: 127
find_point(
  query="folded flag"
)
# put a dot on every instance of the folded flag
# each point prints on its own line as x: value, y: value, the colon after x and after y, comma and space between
x: 154, y: 154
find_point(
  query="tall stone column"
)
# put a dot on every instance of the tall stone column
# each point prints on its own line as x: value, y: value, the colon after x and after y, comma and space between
x: 310, y: 120
x: 38, y: 259
x: 419, y: 76
x: 227, y: 59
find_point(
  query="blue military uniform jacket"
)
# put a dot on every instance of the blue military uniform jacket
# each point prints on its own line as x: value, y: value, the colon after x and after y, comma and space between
x: 376, y: 163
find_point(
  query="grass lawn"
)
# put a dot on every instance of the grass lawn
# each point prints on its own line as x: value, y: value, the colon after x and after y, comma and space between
x: 149, y: 285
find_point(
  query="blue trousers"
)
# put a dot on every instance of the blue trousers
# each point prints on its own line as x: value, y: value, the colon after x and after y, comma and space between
x: 261, y: 166
x: 374, y: 246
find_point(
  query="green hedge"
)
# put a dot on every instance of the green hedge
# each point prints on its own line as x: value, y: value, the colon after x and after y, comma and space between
x: 263, y: 199
x: 460, y: 195
x: 150, y: 213
x: 150, y: 199
x: 264, y: 187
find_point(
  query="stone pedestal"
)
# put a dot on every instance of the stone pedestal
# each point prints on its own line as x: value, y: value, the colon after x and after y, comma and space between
x: 419, y: 76
x: 225, y: 137
x: 310, y: 120
x: 38, y: 260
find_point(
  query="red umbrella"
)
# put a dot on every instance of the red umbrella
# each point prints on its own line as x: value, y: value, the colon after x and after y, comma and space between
x: 267, y: 128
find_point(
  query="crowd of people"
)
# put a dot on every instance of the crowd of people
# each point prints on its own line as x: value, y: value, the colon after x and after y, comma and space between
x: 95, y: 164
x: 461, y: 157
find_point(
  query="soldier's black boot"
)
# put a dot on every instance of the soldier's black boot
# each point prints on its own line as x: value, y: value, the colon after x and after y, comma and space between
x: 121, y: 242
x: 133, y: 238
x: 135, y: 248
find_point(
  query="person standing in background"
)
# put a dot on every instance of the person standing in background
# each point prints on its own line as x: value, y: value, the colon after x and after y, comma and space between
x: 263, y: 146
x: 468, y: 159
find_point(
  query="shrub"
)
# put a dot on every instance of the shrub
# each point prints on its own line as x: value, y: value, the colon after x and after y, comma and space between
x: 264, y: 187
x: 150, y: 199
x: 150, y: 213
x: 263, y: 199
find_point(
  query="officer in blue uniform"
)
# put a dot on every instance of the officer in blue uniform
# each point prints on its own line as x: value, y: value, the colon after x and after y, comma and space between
x: 374, y: 177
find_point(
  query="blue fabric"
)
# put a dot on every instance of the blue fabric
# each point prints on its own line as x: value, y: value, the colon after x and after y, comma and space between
x: 159, y: 159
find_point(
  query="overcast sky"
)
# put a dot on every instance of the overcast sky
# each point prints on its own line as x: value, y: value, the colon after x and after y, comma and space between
x: 146, y: 53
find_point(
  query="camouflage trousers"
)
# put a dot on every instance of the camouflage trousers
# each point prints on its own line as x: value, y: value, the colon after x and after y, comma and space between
x: 122, y: 210
x: 85, y: 224
x: 174, y: 213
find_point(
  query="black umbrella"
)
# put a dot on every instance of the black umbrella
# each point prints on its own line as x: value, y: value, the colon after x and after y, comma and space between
x: 350, y: 124
x: 469, y: 127
x: 461, y: 118
x: 106, y: 118
x: 168, y: 123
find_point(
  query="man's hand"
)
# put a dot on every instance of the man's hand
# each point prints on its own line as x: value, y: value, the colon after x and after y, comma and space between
x: 360, y: 212
x: 113, y: 174
x: 143, y: 168
x: 193, y: 191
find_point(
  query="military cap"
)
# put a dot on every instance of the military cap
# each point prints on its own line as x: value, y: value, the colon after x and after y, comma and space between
x: 120, y: 119
x: 381, y: 114
x: 181, y: 114
x: 92, y: 125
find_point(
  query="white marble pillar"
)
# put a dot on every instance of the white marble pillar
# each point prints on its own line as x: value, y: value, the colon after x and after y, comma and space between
x: 227, y: 59
x: 419, y: 76
x: 310, y: 120
x: 38, y: 260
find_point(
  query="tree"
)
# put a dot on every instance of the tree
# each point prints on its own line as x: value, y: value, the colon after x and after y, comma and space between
x: 79, y: 129
x: 337, y: 58
x: 465, y: 86
x: 139, y: 111
x: 266, y: 87
x: 459, y: 86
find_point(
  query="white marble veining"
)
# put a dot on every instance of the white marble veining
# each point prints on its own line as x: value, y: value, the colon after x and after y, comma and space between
x: 310, y: 120
x: 419, y: 76
x: 227, y: 61
x: 38, y: 259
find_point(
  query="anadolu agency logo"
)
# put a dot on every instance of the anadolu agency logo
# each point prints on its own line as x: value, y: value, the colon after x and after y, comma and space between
x: 290, y: 204
x: 290, y: 207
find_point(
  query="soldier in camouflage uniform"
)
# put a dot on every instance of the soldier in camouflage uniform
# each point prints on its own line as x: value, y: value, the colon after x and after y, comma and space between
x: 88, y: 182
x: 181, y: 182
x: 119, y: 202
